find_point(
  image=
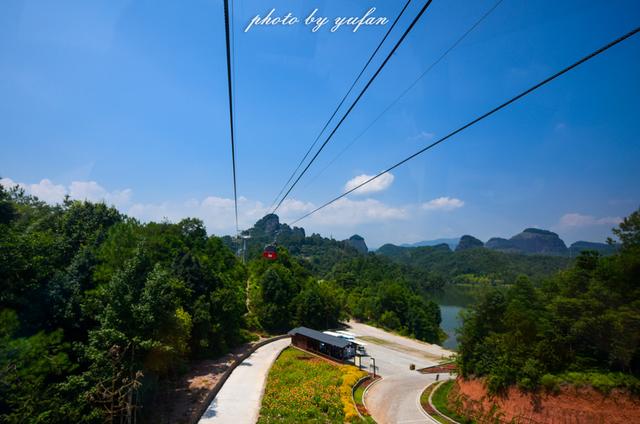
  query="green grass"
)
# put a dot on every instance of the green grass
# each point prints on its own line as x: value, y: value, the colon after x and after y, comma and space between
x: 440, y: 401
x: 304, y: 388
x: 424, y: 401
x: 358, y: 395
x: 603, y: 382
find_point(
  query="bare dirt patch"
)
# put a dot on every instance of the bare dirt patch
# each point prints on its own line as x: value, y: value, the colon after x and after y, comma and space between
x: 178, y: 400
x: 571, y: 405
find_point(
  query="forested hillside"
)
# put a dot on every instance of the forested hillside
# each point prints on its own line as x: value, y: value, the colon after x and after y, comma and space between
x: 319, y: 254
x: 581, y: 326
x: 475, y: 264
x: 329, y: 280
x: 98, y: 309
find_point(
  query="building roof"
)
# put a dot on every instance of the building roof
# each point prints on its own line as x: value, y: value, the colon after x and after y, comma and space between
x: 317, y: 335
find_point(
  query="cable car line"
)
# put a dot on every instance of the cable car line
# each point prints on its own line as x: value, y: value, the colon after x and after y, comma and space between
x: 230, y: 85
x: 409, y: 88
x: 232, y: 29
x: 341, y: 102
x: 353, y: 105
x: 479, y: 118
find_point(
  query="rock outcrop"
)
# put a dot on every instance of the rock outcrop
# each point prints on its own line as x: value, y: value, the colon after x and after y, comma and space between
x: 533, y: 240
x: 530, y: 241
x: 268, y: 225
x: 498, y: 243
x: 357, y: 242
x: 468, y: 242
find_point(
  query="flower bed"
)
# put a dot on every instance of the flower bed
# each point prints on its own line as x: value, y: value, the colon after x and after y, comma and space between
x: 304, y: 388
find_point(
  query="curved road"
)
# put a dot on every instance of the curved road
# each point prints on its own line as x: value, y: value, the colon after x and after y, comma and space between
x: 239, y: 399
x: 396, y: 397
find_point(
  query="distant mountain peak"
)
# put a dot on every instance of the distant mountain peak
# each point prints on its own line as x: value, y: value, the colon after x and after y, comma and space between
x: 530, y: 241
x: 268, y: 224
x: 540, y: 231
x: 452, y: 242
x: 602, y: 248
x: 468, y: 242
x: 357, y: 242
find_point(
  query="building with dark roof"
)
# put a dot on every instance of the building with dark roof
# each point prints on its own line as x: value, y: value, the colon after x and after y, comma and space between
x: 316, y: 341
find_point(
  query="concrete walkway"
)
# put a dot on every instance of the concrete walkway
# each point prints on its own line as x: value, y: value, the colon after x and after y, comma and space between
x: 239, y: 399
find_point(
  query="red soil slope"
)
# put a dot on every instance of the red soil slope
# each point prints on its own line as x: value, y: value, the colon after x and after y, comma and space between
x: 571, y: 405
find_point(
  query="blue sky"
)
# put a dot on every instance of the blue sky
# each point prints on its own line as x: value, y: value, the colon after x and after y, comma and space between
x: 125, y: 101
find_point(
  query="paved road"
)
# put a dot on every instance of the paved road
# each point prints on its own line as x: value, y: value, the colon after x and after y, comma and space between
x: 239, y: 399
x: 395, y: 398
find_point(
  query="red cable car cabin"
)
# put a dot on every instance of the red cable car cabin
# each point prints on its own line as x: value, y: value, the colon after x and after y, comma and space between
x: 270, y: 253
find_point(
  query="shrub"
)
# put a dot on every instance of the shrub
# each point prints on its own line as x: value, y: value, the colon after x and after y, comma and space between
x: 530, y: 374
x: 550, y: 382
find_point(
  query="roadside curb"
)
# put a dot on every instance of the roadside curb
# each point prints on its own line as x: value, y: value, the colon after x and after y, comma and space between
x: 428, y: 416
x: 195, y: 418
x: 264, y: 383
x: 451, y: 420
x: 364, y: 394
x: 353, y: 393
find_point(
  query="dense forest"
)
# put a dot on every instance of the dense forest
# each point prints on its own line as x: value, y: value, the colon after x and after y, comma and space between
x: 367, y: 287
x: 319, y: 281
x: 476, y: 264
x: 580, y: 326
x: 98, y: 309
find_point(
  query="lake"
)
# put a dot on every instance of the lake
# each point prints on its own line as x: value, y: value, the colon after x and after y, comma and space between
x: 450, y: 322
x: 452, y: 300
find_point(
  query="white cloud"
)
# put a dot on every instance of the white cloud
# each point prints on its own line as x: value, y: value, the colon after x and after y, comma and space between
x: 443, y: 204
x: 219, y: 216
x: 94, y: 192
x: 576, y: 220
x: 347, y: 212
x: 45, y: 190
x: 423, y: 135
x: 294, y: 207
x: 52, y: 193
x: 218, y: 213
x: 381, y: 183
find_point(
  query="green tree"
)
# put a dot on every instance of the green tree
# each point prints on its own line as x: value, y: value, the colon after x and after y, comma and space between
x: 30, y: 370
x: 317, y: 306
x: 583, y: 321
